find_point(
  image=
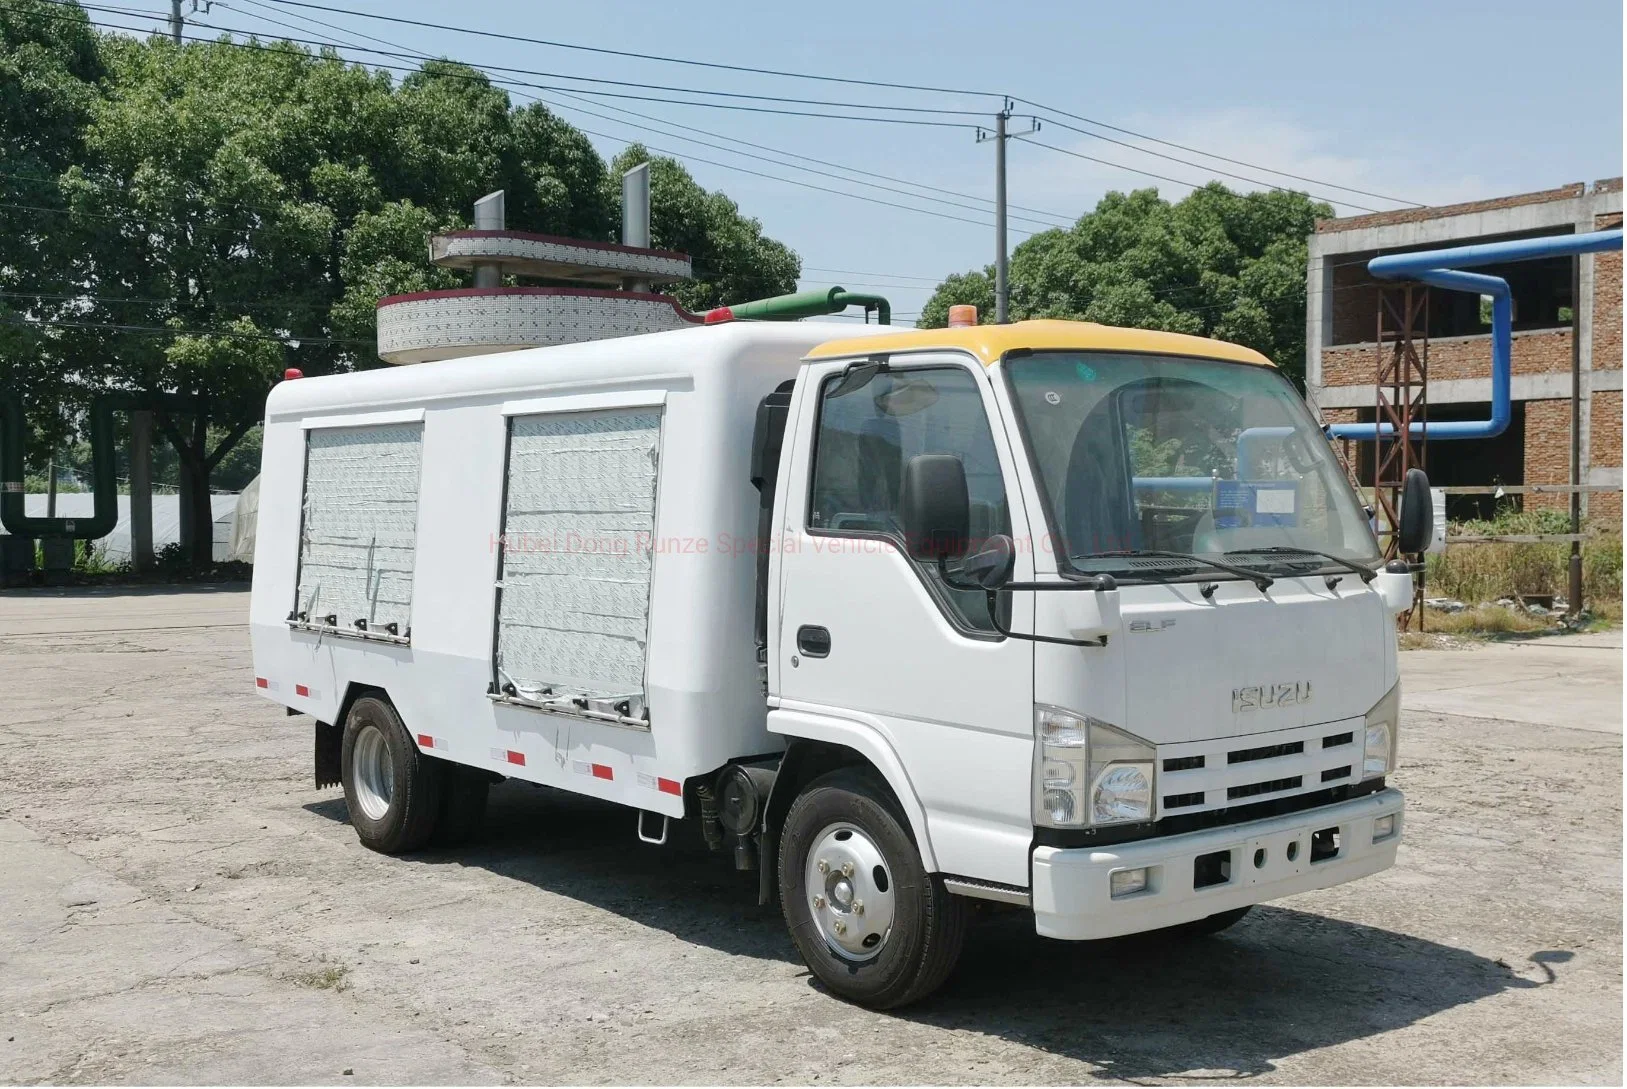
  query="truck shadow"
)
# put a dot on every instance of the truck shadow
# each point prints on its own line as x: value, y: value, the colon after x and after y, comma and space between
x: 1280, y: 983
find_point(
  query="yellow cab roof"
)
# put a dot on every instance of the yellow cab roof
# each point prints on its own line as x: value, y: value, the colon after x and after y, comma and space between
x: 989, y: 342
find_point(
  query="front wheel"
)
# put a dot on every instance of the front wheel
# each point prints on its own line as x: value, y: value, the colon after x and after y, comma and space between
x: 870, y: 922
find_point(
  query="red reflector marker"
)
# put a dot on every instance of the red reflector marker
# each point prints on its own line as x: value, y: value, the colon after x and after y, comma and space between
x: 670, y: 786
x: 302, y: 690
x: 426, y: 741
x: 261, y: 682
x: 516, y: 758
x: 602, y: 771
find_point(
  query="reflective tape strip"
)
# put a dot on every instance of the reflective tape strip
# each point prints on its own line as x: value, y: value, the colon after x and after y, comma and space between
x: 508, y: 756
x: 261, y: 682
x: 670, y: 786
x: 602, y: 771
x: 425, y: 741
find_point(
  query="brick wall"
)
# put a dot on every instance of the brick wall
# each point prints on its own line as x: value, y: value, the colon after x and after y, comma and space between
x: 1604, y: 438
x: 1536, y: 352
x: 1548, y: 451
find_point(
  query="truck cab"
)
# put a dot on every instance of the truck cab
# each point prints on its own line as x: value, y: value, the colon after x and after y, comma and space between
x: 1102, y: 606
x: 1052, y: 617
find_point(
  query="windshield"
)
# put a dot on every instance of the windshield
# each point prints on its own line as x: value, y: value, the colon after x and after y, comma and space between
x: 1148, y: 453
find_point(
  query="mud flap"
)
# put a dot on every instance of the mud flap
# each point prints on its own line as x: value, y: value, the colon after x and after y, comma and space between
x: 325, y: 762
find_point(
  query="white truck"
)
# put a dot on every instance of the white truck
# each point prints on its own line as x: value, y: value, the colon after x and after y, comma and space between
x: 1079, y: 619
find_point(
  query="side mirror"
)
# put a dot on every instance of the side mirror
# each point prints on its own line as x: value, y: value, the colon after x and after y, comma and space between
x: 990, y: 566
x: 933, y: 506
x: 1417, y: 514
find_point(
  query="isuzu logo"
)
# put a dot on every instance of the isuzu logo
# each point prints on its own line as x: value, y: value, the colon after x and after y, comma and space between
x: 1266, y: 696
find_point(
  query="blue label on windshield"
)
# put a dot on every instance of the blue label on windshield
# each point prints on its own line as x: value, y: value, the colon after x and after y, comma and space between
x: 1255, y: 503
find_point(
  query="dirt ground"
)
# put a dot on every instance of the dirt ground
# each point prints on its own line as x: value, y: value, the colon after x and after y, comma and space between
x: 179, y: 905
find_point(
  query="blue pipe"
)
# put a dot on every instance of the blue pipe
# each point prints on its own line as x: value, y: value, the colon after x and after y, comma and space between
x: 1438, y: 268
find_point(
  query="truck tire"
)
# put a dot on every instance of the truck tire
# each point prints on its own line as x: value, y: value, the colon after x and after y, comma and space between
x: 871, y: 924
x: 463, y: 805
x: 393, y: 790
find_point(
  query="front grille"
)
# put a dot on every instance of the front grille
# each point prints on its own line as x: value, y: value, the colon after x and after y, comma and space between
x: 1265, y: 752
x: 1196, y: 776
x: 1271, y: 786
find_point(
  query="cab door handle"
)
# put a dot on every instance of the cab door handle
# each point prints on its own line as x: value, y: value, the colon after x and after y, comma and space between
x: 813, y: 640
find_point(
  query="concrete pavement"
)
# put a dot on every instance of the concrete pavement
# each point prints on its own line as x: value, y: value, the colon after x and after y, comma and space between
x: 1567, y: 680
x: 177, y: 904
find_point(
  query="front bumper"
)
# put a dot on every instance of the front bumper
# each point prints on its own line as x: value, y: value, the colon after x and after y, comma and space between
x: 1071, y: 896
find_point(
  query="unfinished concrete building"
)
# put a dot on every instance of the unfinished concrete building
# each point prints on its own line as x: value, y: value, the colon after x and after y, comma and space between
x: 1552, y: 320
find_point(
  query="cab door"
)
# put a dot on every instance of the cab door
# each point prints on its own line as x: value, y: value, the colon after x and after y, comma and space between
x: 871, y: 641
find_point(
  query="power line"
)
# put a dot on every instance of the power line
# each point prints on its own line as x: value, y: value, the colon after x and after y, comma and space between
x: 690, y: 128
x: 1213, y: 155
x: 855, y: 82
x: 696, y: 158
x: 676, y: 124
x: 775, y: 111
x: 639, y: 56
x: 1199, y: 166
x: 400, y: 51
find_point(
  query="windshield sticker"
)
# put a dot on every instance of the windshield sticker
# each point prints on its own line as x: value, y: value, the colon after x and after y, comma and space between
x: 1278, y: 500
x: 1240, y: 503
x: 1085, y: 371
x: 1052, y: 397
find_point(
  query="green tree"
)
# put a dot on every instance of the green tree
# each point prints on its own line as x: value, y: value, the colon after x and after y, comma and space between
x: 210, y: 214
x: 49, y: 68
x: 1217, y: 264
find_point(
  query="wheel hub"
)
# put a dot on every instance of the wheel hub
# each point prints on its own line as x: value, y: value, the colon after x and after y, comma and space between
x: 372, y: 772
x: 850, y: 892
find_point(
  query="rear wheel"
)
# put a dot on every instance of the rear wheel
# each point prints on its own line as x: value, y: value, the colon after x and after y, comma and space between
x: 393, y: 790
x: 870, y: 922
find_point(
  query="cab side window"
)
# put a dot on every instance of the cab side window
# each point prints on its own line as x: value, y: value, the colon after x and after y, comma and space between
x: 867, y: 434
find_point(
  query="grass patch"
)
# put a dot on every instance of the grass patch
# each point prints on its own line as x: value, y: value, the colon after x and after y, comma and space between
x: 1487, y: 620
x: 325, y: 979
x: 1476, y: 573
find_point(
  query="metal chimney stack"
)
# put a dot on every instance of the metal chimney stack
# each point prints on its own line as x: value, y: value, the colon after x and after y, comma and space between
x: 489, y: 216
x: 635, y: 216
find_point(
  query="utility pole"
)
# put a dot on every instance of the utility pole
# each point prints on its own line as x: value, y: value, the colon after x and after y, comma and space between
x: 1002, y: 133
x: 176, y: 21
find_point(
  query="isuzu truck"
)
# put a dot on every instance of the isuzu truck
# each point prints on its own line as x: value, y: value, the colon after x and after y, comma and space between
x: 1080, y: 620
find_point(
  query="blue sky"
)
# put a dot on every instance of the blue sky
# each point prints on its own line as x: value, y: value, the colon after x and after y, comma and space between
x: 1433, y: 102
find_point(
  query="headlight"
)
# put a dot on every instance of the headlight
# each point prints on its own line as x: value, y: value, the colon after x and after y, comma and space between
x: 1087, y: 772
x: 1378, y: 743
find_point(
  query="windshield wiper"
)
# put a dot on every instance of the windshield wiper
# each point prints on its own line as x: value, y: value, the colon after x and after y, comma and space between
x: 1261, y: 581
x: 1367, y: 574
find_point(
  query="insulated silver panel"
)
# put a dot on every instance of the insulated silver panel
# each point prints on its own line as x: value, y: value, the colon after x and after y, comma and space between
x: 578, y: 529
x: 360, y: 524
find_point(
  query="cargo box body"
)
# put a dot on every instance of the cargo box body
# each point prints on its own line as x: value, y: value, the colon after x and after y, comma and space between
x: 546, y: 558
